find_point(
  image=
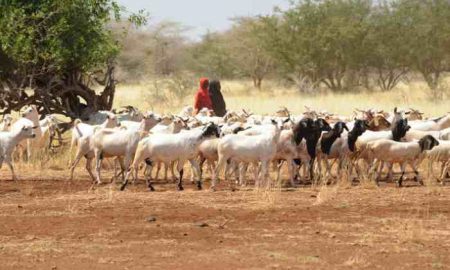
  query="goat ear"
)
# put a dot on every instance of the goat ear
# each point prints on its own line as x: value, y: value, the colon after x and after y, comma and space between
x: 345, y: 127
x: 395, y: 110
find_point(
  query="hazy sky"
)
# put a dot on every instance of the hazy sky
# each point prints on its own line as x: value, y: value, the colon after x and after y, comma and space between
x: 202, y: 15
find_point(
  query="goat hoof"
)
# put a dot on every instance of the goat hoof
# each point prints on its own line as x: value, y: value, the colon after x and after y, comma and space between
x: 180, y: 188
x: 213, y: 189
x: 151, y: 189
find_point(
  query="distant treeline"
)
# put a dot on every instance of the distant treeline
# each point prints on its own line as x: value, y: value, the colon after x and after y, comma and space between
x: 342, y: 45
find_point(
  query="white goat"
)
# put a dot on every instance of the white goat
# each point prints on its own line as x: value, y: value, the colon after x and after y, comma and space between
x: 429, y: 125
x: 10, y: 139
x: 116, y: 143
x: 341, y: 148
x: 187, y: 111
x: 145, y: 124
x: 249, y: 149
x: 128, y: 113
x: 82, y: 138
x: 5, y: 124
x: 38, y: 141
x: 180, y: 147
x: 440, y: 153
x: 400, y: 152
x: 288, y: 151
x: 208, y: 153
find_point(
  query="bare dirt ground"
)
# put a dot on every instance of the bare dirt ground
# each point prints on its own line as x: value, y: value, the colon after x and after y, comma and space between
x: 45, y: 223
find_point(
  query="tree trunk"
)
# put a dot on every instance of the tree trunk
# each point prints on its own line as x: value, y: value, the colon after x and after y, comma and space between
x: 257, y: 82
x: 432, y: 80
x: 67, y: 95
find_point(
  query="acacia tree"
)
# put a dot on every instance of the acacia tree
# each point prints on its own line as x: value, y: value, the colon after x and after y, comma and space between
x: 248, y: 54
x: 387, y: 46
x: 55, y: 52
x: 210, y: 57
x: 427, y: 29
x: 321, y: 40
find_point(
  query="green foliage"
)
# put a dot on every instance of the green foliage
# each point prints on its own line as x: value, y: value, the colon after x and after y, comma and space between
x: 210, y: 57
x: 321, y: 40
x: 387, y: 49
x: 330, y: 42
x: 60, y: 36
x: 248, y: 55
x: 427, y: 28
x: 56, y: 49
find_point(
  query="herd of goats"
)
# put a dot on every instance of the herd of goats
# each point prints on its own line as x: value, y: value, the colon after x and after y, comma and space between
x: 309, y: 144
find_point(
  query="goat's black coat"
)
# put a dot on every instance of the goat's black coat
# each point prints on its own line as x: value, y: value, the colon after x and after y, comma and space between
x: 311, y: 131
x: 218, y: 103
x: 399, y: 129
x: 211, y: 130
x: 330, y: 137
x: 359, y: 128
x: 301, y: 129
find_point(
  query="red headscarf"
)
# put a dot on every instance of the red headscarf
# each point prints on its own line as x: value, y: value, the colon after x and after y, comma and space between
x: 202, y: 99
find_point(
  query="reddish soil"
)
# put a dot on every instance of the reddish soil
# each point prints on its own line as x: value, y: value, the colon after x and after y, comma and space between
x: 46, y: 223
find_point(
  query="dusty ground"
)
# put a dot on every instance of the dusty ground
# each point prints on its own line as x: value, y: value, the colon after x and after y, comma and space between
x: 46, y: 223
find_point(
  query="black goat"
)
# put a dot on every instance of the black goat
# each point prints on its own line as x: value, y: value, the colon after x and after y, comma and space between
x: 330, y: 137
x: 310, y: 130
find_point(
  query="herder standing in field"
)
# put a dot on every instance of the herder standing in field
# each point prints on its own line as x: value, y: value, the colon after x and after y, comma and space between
x: 202, y: 99
x: 218, y: 103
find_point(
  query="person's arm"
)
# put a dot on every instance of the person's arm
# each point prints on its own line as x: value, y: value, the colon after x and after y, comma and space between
x: 196, y: 104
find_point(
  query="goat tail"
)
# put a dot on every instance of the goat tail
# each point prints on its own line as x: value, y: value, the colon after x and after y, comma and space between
x: 75, y: 126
